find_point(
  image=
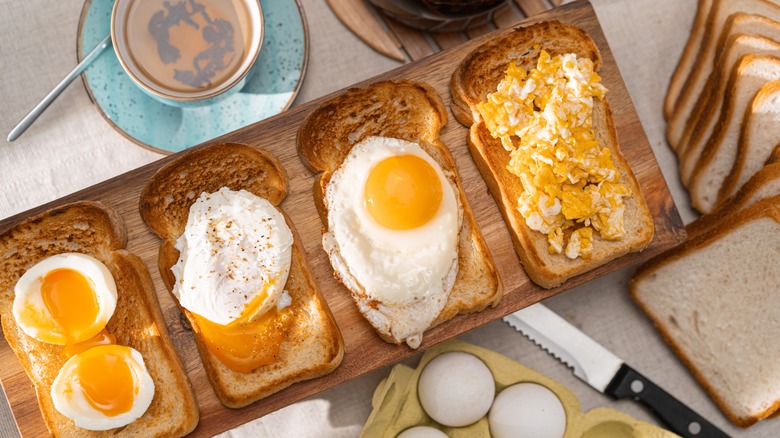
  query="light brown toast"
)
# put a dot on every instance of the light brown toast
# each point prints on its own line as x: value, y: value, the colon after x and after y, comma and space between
x: 702, y: 297
x: 94, y: 229
x: 313, y: 346
x: 478, y: 75
x: 413, y: 112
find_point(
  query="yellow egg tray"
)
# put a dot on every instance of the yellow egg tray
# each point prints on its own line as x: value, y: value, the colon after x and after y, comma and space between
x: 397, y: 408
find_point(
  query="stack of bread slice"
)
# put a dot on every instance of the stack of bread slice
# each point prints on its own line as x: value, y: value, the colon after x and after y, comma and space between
x: 723, y: 103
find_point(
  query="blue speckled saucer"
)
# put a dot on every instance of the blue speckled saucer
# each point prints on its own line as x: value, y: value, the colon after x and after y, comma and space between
x: 278, y: 74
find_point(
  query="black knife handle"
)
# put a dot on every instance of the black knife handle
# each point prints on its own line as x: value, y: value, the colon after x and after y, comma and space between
x: 680, y: 419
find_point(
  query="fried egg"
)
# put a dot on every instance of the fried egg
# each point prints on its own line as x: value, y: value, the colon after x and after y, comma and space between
x: 103, y: 388
x: 394, y: 217
x: 544, y: 118
x: 234, y: 260
x: 65, y: 299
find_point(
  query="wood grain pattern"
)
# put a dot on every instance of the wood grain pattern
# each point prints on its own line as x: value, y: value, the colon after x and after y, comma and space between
x: 365, y: 352
x: 360, y: 19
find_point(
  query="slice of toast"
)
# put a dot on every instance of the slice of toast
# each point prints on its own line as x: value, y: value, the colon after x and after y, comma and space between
x: 478, y: 75
x: 94, y: 229
x: 718, y: 155
x: 413, y: 112
x: 739, y: 34
x: 313, y: 347
x: 688, y: 57
x: 758, y: 137
x: 714, y: 299
x: 698, y: 62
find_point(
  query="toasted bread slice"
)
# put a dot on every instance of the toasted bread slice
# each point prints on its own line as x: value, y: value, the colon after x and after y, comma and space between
x: 313, y: 346
x: 684, y: 64
x: 720, y: 152
x: 94, y: 229
x: 413, y: 112
x: 747, y: 34
x: 707, y: 112
x: 698, y: 62
x: 758, y: 138
x: 478, y: 75
x: 703, y: 295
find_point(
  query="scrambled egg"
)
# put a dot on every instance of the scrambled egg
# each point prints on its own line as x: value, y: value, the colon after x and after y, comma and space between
x: 544, y: 118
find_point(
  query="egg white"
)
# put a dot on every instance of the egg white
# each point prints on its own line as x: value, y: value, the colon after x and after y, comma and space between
x: 69, y: 400
x: 27, y: 294
x: 234, y: 243
x: 409, y: 273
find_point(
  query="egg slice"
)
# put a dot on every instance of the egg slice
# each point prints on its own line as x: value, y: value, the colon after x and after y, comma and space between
x: 65, y: 299
x: 393, y: 222
x: 235, y: 256
x: 103, y: 388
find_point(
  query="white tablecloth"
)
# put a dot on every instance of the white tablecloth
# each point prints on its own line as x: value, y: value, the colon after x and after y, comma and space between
x: 72, y: 147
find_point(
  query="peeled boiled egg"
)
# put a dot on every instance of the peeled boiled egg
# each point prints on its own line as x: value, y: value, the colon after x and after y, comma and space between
x: 65, y: 299
x: 103, y: 388
x: 456, y: 389
x: 422, y: 432
x: 527, y: 409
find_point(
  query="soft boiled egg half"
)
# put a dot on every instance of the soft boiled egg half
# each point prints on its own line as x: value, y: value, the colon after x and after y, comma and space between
x: 394, y: 217
x: 234, y: 260
x: 103, y: 388
x: 65, y: 299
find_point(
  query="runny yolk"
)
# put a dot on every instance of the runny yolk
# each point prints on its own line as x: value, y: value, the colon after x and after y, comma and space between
x: 403, y: 192
x: 106, y: 379
x: 103, y: 338
x: 246, y: 343
x: 70, y: 298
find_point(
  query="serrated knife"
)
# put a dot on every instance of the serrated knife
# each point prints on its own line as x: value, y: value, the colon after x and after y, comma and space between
x: 605, y: 372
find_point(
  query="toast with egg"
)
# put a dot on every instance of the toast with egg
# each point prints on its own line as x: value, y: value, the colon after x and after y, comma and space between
x: 312, y: 345
x: 94, y: 229
x: 407, y: 115
x: 478, y: 75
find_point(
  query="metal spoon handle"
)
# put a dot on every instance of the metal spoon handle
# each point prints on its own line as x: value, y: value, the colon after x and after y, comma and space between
x: 43, y: 104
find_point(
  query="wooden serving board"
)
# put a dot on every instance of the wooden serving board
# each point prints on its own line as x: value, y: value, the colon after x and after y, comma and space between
x: 365, y: 351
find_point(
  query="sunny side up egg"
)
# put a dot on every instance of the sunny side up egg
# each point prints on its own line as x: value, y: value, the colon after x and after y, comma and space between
x: 67, y: 299
x: 104, y: 387
x: 234, y: 260
x: 394, y: 217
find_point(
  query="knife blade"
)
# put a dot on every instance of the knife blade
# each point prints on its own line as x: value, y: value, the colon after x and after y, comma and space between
x: 604, y: 371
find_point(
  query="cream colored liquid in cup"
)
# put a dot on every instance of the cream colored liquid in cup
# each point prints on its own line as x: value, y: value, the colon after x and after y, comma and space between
x: 188, y: 45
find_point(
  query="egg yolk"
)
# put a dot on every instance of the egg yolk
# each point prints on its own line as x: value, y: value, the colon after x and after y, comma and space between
x: 106, y: 379
x: 71, y: 300
x: 403, y: 192
x: 248, y: 342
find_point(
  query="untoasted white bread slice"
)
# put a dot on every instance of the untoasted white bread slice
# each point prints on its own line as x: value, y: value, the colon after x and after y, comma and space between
x: 688, y: 57
x: 698, y: 66
x: 719, y: 154
x: 738, y: 27
x: 760, y: 134
x: 312, y: 345
x: 708, y: 108
x: 714, y: 299
x: 94, y: 229
x: 764, y: 184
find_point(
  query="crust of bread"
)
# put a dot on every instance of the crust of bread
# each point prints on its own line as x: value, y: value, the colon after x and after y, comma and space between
x: 478, y: 75
x: 313, y: 346
x: 413, y: 112
x: 95, y: 229
x: 769, y: 208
